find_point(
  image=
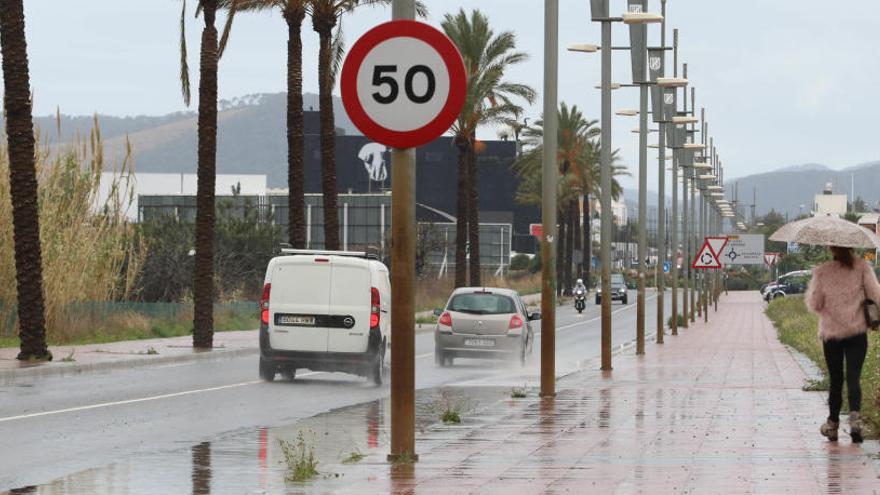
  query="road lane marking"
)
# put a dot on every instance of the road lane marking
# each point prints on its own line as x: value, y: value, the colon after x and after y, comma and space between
x: 135, y: 401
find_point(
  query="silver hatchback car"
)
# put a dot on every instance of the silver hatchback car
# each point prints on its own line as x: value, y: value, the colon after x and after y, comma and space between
x: 488, y: 323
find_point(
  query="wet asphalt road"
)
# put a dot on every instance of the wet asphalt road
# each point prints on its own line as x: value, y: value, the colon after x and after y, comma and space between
x: 54, y: 426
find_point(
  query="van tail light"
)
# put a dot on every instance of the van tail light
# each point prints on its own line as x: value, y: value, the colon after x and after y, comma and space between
x: 515, y: 323
x: 375, y: 307
x: 445, y: 319
x: 264, y: 304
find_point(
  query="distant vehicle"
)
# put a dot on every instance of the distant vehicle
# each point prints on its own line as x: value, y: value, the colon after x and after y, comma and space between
x: 483, y: 323
x: 619, y: 291
x: 325, y: 311
x: 790, y: 284
x: 580, y: 300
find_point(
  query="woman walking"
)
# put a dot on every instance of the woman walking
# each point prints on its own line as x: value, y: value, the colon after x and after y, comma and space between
x: 836, y: 293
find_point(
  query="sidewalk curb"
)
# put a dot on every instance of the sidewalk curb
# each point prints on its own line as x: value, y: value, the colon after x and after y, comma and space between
x: 62, y: 369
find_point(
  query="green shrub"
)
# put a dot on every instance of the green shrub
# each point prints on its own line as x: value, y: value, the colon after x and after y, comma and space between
x: 519, y: 262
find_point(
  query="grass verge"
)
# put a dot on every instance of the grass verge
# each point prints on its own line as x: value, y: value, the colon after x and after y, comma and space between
x: 135, y: 326
x: 797, y: 327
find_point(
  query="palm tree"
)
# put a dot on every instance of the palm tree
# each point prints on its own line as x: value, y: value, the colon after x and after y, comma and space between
x: 23, y: 183
x: 578, y: 153
x: 490, y: 100
x: 203, y: 279
x: 294, y: 13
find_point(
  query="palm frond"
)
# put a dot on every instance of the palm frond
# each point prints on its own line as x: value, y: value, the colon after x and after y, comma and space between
x: 227, y: 27
x: 184, y: 66
x: 337, y: 52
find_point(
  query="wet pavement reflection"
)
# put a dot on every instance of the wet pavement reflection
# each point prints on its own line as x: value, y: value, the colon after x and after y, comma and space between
x: 251, y: 461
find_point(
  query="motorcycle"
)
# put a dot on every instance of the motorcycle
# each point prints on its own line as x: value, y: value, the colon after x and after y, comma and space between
x: 580, y: 300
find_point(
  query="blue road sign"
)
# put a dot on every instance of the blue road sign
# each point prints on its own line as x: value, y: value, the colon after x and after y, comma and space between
x: 666, y: 267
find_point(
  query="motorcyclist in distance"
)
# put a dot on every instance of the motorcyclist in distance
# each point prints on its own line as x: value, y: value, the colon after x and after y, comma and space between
x: 579, y: 285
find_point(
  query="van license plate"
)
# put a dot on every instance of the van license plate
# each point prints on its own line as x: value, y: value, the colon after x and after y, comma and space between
x: 479, y: 342
x: 302, y: 321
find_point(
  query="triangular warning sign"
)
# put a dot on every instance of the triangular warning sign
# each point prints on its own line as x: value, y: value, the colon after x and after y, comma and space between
x: 717, y: 244
x: 770, y: 259
x: 706, y: 258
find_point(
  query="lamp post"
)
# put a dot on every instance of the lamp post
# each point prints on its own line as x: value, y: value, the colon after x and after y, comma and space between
x: 600, y: 13
x: 661, y: 206
x: 550, y: 172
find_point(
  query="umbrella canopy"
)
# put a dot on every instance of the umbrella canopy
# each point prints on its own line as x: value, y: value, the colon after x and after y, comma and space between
x: 827, y: 231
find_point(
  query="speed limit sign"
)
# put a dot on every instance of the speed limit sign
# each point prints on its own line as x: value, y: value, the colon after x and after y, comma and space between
x: 403, y: 83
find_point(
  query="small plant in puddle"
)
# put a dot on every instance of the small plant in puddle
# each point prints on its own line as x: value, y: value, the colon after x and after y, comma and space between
x: 354, y: 457
x: 150, y: 351
x: 300, y: 459
x: 69, y: 358
x: 449, y: 407
x: 519, y: 392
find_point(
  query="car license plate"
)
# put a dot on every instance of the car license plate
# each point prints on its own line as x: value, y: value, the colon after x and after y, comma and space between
x: 301, y: 321
x: 479, y: 342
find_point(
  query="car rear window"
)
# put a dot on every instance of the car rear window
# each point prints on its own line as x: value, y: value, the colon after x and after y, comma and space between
x: 482, y: 304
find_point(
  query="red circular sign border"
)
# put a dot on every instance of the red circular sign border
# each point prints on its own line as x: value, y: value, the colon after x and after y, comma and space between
x: 457, y: 83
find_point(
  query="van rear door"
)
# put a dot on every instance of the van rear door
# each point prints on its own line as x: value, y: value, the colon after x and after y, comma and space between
x: 300, y: 303
x: 350, y: 285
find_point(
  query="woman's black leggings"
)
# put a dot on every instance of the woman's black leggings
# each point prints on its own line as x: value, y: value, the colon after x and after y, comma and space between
x: 853, y: 349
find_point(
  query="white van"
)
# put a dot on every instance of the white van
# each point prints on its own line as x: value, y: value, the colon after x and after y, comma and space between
x: 325, y: 311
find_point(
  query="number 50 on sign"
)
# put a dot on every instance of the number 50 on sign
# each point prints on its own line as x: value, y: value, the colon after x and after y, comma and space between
x: 403, y: 83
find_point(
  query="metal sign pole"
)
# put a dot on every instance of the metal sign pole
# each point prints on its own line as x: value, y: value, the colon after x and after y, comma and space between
x: 403, y: 280
x: 550, y: 172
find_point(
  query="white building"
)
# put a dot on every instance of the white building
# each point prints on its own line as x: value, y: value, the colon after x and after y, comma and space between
x: 829, y: 203
x: 144, y: 184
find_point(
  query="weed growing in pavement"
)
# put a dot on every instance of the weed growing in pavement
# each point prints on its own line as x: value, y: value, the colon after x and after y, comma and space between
x: 151, y: 351
x: 816, y: 385
x: 299, y: 456
x: 69, y: 358
x: 519, y: 392
x: 404, y: 458
x: 354, y: 457
x: 450, y: 407
x: 680, y: 321
x: 797, y: 327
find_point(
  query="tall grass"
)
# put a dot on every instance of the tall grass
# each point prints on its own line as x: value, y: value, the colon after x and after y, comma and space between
x: 87, y: 245
x: 432, y: 293
x: 797, y: 327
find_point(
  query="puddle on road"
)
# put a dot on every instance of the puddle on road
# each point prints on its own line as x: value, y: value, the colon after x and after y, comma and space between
x: 252, y: 461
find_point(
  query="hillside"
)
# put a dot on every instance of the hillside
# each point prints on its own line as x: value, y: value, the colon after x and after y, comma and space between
x: 785, y: 190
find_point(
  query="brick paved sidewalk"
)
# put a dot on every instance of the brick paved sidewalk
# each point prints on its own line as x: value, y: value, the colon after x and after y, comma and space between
x: 718, y: 409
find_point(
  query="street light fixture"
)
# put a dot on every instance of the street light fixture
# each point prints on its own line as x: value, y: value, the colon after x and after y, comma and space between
x: 583, y: 48
x: 631, y: 18
x: 672, y: 82
x: 685, y: 120
x: 612, y: 86
x: 627, y: 113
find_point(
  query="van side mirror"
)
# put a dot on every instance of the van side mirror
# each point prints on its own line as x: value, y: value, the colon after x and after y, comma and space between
x: 534, y: 316
x: 438, y: 312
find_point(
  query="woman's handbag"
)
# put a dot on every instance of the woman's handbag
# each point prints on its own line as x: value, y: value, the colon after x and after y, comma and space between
x: 872, y: 313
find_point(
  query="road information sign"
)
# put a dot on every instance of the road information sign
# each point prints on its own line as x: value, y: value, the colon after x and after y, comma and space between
x: 707, y: 257
x: 403, y: 83
x: 746, y: 249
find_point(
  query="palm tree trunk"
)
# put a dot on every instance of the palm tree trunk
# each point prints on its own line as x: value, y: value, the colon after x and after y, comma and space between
x: 203, y: 283
x: 23, y: 183
x: 296, y: 206
x: 473, y: 215
x: 560, y: 252
x: 578, y: 237
x: 461, y: 219
x: 588, y: 241
x: 569, y: 246
x: 324, y: 27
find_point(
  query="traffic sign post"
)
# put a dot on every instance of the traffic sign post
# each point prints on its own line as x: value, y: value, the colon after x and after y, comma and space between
x: 403, y: 85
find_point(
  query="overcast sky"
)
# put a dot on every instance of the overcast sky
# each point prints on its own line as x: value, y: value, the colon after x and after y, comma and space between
x: 784, y: 82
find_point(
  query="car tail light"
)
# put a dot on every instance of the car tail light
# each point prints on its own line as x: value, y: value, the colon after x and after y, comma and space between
x: 445, y: 319
x: 375, y: 307
x: 264, y: 304
x: 515, y: 322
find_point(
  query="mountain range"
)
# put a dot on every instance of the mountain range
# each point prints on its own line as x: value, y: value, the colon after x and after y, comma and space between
x: 252, y: 130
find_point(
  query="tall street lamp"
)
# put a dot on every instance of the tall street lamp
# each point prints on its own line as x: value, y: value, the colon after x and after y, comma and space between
x: 635, y: 15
